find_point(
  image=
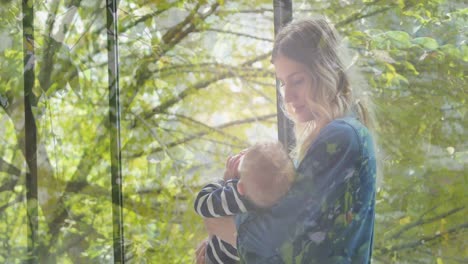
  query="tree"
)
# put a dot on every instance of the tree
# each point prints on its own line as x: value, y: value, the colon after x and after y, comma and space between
x: 196, y: 85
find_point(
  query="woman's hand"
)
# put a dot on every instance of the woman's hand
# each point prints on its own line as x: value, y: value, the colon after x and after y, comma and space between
x: 200, y: 252
x: 223, y: 227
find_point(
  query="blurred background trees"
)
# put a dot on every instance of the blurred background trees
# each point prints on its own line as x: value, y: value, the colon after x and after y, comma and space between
x: 197, y: 85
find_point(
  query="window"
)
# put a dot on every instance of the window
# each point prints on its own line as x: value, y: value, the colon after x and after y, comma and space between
x: 106, y: 140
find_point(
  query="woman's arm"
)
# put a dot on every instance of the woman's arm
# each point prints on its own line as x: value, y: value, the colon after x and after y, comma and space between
x: 223, y: 227
x: 328, y: 178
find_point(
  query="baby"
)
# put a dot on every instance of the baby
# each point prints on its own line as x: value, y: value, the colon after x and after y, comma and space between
x: 254, y: 179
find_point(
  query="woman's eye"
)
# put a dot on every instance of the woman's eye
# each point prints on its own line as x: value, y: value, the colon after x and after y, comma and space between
x: 298, y: 82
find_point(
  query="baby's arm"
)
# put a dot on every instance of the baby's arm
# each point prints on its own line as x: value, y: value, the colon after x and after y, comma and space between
x: 220, y: 199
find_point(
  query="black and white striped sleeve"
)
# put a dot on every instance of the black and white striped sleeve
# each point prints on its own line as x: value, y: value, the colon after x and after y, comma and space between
x: 221, y: 252
x: 220, y: 199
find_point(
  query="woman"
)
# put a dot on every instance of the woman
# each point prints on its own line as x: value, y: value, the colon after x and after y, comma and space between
x: 328, y: 214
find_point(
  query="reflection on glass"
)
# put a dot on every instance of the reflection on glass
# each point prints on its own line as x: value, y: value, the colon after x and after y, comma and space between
x: 196, y: 85
x: 70, y: 111
x: 410, y: 57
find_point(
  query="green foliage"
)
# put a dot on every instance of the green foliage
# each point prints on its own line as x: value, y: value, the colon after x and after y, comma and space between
x: 196, y: 85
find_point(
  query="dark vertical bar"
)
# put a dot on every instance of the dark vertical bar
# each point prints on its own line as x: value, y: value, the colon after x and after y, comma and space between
x: 114, y: 116
x: 30, y: 130
x: 282, y: 15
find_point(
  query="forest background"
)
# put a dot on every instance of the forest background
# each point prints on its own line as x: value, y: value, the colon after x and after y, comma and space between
x: 197, y: 85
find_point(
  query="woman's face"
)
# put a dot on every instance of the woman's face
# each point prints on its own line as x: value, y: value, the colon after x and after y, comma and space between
x: 296, y: 83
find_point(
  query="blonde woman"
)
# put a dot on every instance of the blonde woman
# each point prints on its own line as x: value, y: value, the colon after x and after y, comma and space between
x: 328, y: 214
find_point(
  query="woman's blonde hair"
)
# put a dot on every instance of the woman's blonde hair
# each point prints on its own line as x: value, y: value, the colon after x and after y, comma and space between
x: 315, y: 43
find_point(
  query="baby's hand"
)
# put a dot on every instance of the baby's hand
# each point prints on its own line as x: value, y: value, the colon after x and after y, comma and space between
x: 232, y: 167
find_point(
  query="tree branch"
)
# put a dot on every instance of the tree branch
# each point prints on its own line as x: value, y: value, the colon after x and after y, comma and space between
x: 172, y: 37
x: 10, y: 169
x: 210, y: 128
x: 425, y: 239
x: 198, y: 86
x: 200, y: 134
x: 238, y: 34
x: 426, y: 221
x: 359, y: 15
x: 249, y: 82
x: 181, y: 30
x: 19, y: 198
x: 247, y: 11
x: 143, y: 18
x: 263, y: 10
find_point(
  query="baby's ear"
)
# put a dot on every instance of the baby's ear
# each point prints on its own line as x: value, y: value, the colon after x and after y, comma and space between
x: 241, y: 187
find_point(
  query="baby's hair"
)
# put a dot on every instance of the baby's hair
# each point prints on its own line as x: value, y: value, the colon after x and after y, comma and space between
x: 267, y: 172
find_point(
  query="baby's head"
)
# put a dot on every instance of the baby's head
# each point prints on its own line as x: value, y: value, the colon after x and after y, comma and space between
x: 266, y: 173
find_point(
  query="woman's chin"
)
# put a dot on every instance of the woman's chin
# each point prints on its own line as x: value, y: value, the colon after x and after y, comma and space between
x: 304, y: 119
x: 300, y: 117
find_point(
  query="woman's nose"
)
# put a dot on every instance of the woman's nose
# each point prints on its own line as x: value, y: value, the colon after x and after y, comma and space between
x: 289, y: 95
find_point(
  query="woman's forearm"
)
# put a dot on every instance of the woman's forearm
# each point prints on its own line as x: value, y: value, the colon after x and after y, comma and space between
x: 223, y: 227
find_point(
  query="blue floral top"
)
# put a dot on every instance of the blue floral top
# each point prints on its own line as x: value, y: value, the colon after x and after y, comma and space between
x: 328, y: 214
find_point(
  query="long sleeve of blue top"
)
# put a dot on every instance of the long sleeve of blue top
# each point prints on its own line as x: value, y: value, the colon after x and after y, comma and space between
x: 328, y: 214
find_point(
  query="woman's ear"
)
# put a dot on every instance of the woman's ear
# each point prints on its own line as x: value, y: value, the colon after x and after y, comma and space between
x: 241, y: 187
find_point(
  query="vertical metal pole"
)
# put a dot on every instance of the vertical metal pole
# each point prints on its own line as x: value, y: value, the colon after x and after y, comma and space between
x: 114, y: 118
x: 30, y: 130
x: 282, y: 15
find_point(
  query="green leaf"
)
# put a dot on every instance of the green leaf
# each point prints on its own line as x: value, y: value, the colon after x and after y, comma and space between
x: 410, y: 67
x: 401, y: 4
x: 426, y: 43
x: 450, y: 50
x: 464, y: 52
x: 400, y: 39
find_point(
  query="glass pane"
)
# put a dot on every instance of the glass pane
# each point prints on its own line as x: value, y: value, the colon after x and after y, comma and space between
x: 71, y: 115
x: 412, y: 57
x: 196, y: 86
x: 13, y: 226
